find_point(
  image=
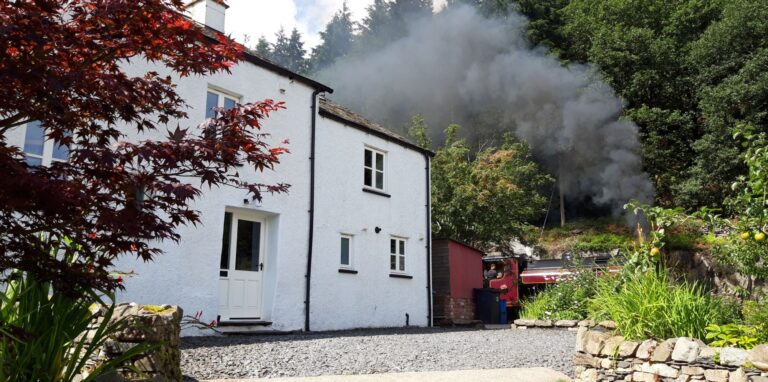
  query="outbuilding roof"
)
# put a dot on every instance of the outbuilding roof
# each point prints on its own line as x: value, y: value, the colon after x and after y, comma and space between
x: 341, y: 114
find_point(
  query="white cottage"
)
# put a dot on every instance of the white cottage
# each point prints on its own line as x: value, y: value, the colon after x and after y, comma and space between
x: 347, y: 247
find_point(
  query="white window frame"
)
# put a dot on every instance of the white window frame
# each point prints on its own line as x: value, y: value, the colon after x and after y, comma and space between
x: 374, y: 170
x: 223, y: 94
x: 46, y: 158
x: 351, y: 264
x: 401, y: 256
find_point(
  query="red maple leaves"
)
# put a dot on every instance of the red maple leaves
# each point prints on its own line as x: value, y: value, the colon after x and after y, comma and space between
x: 63, y: 66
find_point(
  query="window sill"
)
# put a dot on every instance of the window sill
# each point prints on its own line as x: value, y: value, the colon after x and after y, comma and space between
x: 350, y: 271
x: 400, y: 276
x: 376, y: 192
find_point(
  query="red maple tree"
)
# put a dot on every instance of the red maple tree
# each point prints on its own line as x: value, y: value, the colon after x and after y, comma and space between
x: 60, y: 65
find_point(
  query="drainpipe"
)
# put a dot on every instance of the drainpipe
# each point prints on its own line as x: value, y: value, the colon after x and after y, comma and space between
x: 308, y: 274
x: 428, y: 207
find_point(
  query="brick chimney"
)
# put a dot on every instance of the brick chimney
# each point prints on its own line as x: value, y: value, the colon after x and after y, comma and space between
x: 209, y: 12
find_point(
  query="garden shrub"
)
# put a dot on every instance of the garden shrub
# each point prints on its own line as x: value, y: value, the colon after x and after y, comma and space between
x: 756, y: 314
x: 42, y: 329
x: 647, y: 305
x: 733, y: 335
x: 566, y: 300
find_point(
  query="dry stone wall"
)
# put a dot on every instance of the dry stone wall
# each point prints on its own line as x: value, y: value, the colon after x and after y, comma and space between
x: 160, y: 325
x: 602, y: 355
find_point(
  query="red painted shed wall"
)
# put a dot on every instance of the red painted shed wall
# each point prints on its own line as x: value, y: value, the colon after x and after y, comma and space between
x: 466, y: 269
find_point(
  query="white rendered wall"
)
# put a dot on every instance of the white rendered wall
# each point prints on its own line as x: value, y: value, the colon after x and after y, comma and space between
x: 370, y: 298
x: 187, y: 274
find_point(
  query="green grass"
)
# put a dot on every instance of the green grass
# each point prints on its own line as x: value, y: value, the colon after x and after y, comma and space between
x: 596, y: 235
x: 647, y: 305
x: 601, y: 242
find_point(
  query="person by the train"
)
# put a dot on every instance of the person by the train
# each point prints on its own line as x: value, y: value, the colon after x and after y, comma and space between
x: 490, y: 273
x: 505, y: 285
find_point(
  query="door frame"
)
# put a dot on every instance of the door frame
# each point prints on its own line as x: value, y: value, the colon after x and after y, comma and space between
x: 254, y: 216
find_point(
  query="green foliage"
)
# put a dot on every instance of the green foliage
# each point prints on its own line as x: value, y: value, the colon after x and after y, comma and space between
x: 690, y: 70
x: 644, y: 302
x: 647, y: 305
x: 488, y: 199
x: 566, y: 300
x: 682, y: 240
x: 585, y: 235
x: 745, y: 247
x: 42, y: 330
x: 337, y: 40
x: 732, y: 335
x: 289, y: 51
x: 755, y: 314
x: 601, y: 242
x: 263, y: 48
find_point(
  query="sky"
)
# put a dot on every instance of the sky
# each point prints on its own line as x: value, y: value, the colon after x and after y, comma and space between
x: 254, y: 18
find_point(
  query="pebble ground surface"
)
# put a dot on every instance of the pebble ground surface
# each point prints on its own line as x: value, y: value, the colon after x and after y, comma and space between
x: 374, y: 351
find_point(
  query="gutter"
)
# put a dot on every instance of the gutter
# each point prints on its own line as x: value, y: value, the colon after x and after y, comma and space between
x: 428, y: 207
x: 310, y: 241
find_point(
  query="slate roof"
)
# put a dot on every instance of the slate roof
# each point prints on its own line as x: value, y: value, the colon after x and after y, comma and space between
x: 341, y: 114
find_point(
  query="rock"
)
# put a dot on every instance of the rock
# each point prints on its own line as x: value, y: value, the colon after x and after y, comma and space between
x: 610, y: 325
x: 716, y: 375
x: 627, y: 349
x: 691, y: 370
x: 589, y: 375
x: 646, y: 348
x: 595, y: 341
x: 581, y: 339
x: 759, y: 379
x: 760, y: 365
x: 543, y: 323
x: 733, y: 356
x: 584, y: 359
x: 686, y: 349
x: 738, y: 376
x: 683, y: 378
x: 606, y: 363
x: 663, y: 352
x: 758, y: 356
x: 524, y: 322
x: 611, y: 346
x: 639, y: 376
x: 660, y: 369
x: 708, y: 353
x: 566, y: 323
x: 587, y: 323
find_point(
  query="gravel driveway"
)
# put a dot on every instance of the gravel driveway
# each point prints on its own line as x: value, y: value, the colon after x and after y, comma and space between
x: 374, y: 351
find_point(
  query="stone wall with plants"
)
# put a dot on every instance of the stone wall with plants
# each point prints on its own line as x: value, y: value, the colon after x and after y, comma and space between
x: 603, y: 355
x: 155, y: 329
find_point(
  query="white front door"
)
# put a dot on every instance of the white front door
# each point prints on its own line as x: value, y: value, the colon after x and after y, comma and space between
x: 242, y: 266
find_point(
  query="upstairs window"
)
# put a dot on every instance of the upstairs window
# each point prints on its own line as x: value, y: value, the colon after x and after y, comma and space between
x: 397, y: 254
x: 216, y: 99
x: 373, y: 172
x: 40, y: 151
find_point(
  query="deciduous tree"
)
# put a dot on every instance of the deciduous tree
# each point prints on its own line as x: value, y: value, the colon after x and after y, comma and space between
x: 61, y: 64
x: 486, y: 200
